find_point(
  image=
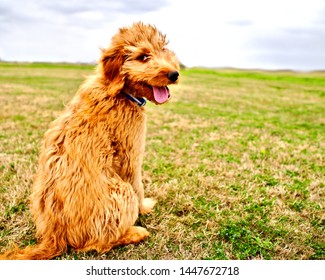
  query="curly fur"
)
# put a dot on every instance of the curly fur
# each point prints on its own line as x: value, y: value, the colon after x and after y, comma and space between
x: 87, y: 192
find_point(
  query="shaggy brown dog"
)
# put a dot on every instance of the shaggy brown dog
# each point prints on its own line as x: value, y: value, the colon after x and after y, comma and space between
x: 88, y: 192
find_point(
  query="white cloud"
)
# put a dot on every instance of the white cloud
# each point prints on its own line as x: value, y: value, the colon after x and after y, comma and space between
x: 236, y: 33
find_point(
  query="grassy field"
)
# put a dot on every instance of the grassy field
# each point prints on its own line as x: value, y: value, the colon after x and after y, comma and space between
x: 235, y: 159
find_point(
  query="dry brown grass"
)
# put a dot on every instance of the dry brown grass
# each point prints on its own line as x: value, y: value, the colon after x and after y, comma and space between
x: 236, y: 160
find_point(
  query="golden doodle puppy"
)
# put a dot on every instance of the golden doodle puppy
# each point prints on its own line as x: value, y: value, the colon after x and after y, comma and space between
x: 87, y: 192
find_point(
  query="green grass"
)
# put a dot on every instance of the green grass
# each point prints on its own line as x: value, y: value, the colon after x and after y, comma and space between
x: 235, y: 159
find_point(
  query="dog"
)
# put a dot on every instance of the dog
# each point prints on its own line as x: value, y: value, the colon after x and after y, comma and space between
x: 87, y: 192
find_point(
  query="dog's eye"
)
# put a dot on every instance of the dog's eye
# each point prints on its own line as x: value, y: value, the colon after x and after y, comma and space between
x: 143, y: 57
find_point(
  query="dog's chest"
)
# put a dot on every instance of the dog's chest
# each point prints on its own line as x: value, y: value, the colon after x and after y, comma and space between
x: 136, y: 131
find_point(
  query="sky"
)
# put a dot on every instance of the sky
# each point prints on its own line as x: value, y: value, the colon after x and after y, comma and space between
x: 264, y: 34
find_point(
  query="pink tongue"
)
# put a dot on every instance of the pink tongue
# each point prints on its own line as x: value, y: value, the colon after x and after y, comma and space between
x: 161, y: 94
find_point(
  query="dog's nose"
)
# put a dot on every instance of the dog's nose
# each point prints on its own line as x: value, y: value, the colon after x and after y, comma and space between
x: 173, y: 76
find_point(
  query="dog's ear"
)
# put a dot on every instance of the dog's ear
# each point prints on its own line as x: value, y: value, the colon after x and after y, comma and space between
x: 111, y: 65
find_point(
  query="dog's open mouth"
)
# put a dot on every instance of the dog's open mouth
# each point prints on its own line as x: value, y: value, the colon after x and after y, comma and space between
x: 161, y: 94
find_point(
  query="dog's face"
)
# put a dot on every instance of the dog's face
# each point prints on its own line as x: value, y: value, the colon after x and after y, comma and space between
x: 139, y: 56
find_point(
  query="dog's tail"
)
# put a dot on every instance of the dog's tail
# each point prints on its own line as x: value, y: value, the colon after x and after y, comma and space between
x: 45, y: 250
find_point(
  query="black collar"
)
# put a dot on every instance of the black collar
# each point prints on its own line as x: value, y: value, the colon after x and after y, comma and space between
x: 140, y: 101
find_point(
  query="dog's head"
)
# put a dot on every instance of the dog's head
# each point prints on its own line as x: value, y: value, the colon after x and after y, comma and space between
x: 139, y: 62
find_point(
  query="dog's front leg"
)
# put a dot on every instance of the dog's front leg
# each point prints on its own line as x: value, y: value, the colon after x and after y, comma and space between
x: 145, y: 204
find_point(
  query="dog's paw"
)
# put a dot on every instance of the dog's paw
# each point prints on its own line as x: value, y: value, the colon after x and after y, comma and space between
x: 147, y: 205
